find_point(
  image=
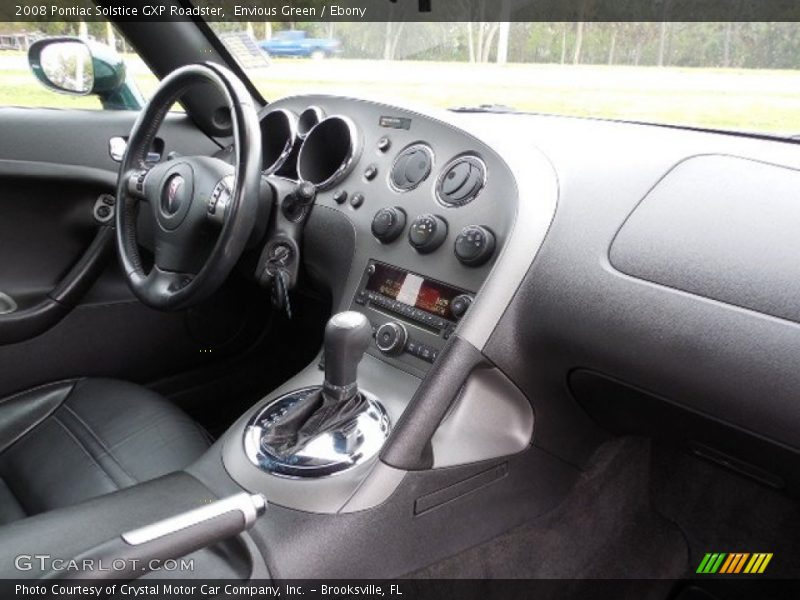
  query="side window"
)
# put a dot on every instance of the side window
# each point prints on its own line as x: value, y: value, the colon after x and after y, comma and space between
x: 90, y: 67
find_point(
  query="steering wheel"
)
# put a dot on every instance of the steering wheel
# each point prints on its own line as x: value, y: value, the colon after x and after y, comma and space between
x: 204, y: 208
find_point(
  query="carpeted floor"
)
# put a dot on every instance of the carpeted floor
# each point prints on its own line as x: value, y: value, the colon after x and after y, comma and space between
x: 721, y: 511
x: 640, y: 511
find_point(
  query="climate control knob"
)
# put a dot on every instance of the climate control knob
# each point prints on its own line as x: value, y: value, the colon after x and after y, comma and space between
x: 391, y: 338
x: 427, y: 233
x: 474, y: 245
x: 388, y: 224
x: 460, y: 304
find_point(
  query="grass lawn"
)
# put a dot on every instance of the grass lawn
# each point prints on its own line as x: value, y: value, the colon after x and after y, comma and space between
x: 755, y: 100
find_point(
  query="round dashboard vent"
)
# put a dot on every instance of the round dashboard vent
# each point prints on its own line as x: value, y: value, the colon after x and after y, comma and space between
x: 461, y: 181
x: 411, y: 167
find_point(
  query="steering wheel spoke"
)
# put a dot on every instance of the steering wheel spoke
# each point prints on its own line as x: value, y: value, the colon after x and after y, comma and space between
x: 162, y: 283
x: 136, y: 183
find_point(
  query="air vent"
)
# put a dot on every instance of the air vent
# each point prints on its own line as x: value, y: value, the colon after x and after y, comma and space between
x: 461, y: 181
x: 411, y: 167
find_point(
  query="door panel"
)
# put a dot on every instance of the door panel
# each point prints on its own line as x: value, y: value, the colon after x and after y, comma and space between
x: 46, y: 223
x: 53, y: 166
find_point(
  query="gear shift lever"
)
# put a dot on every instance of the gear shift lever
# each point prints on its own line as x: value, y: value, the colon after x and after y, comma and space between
x: 326, y: 428
x: 347, y: 337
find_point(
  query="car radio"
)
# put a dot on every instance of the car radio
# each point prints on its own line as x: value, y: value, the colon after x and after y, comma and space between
x: 412, y: 315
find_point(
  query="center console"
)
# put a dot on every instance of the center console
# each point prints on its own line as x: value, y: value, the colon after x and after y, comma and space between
x: 412, y: 316
x: 409, y: 217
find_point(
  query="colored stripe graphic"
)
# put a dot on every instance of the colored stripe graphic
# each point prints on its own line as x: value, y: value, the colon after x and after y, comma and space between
x: 703, y: 563
x: 730, y: 561
x: 767, y: 558
x: 734, y: 563
x: 740, y: 563
x: 711, y: 562
x: 752, y: 566
x: 730, y: 564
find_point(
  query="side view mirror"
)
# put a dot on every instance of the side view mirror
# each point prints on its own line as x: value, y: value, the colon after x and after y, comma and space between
x: 74, y: 66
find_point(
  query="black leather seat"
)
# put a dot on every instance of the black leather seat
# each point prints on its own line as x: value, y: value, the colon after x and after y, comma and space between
x: 66, y: 442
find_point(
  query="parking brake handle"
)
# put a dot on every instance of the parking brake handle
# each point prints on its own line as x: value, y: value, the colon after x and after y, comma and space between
x: 141, y: 550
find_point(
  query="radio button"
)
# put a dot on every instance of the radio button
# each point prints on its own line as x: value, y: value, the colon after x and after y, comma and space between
x: 391, y: 338
x: 460, y: 305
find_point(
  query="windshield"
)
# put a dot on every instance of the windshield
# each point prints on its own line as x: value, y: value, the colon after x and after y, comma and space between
x: 738, y: 76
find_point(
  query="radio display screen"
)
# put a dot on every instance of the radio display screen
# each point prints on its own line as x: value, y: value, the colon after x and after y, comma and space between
x: 425, y: 294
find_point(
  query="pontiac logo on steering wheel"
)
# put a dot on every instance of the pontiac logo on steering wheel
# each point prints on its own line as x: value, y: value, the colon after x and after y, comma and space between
x: 172, y: 198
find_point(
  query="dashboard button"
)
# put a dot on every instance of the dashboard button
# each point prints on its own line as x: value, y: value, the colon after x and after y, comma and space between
x: 388, y: 224
x: 384, y: 144
x: 474, y: 245
x: 427, y: 233
x: 370, y: 172
x: 340, y: 197
x: 357, y: 200
x: 460, y: 305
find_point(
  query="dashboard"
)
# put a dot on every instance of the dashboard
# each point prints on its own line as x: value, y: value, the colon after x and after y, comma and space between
x: 430, y: 208
x: 592, y: 299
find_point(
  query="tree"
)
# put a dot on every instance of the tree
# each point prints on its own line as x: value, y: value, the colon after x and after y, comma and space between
x: 726, y: 46
x: 662, y: 42
x: 504, y: 30
x: 502, y: 43
x: 576, y: 53
x: 393, y: 32
x: 471, y: 42
x: 612, y: 45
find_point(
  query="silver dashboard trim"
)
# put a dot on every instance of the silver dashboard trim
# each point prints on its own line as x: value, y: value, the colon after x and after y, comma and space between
x: 7, y: 304
x: 353, y: 154
x: 291, y: 119
x: 537, y: 192
x: 440, y: 179
x: 422, y: 146
x: 319, y: 115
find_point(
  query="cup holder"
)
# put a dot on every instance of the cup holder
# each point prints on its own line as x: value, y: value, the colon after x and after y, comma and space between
x: 7, y: 304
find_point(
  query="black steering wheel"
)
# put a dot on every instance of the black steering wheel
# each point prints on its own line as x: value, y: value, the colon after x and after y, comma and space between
x: 204, y: 208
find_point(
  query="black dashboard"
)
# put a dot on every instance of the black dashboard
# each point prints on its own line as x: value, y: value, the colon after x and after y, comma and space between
x: 590, y: 299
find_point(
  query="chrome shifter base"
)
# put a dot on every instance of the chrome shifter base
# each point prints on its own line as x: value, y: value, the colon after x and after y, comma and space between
x: 353, y: 443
